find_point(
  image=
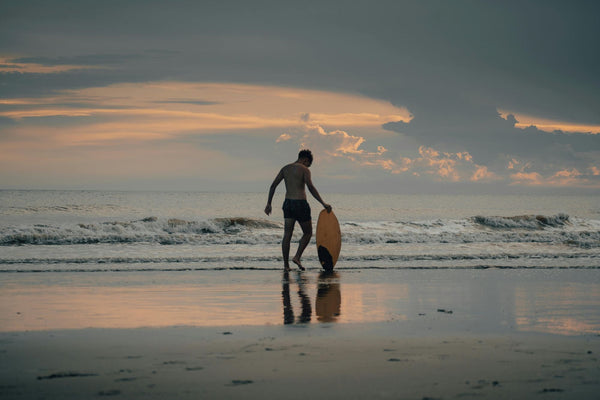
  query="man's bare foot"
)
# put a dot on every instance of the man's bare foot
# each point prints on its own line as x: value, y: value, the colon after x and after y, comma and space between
x: 298, y: 263
x: 286, y: 267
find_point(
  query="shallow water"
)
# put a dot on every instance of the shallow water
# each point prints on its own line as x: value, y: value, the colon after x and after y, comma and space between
x: 558, y: 301
x: 130, y: 259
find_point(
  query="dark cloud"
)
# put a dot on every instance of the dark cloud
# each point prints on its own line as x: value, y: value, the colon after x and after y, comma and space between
x: 494, y: 140
x: 83, y: 60
x: 537, y: 56
x: 452, y: 64
x: 17, y: 84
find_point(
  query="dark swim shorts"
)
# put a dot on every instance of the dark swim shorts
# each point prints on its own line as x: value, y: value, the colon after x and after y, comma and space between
x: 296, y: 209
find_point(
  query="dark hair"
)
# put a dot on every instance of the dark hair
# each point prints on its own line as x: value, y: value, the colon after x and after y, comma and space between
x: 306, y: 154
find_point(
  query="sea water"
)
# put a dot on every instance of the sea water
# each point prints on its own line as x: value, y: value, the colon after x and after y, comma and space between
x: 83, y: 231
x: 80, y: 259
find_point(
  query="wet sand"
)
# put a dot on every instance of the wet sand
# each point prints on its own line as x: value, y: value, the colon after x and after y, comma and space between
x: 445, y: 334
x: 295, y: 362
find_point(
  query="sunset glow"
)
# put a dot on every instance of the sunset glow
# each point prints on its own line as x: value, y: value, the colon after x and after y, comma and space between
x: 548, y: 125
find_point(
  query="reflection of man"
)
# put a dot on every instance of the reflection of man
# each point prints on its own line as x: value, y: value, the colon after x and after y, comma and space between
x: 288, y: 311
x: 295, y: 207
x: 329, y: 297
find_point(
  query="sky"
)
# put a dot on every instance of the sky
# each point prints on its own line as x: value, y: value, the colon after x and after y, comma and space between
x: 391, y: 96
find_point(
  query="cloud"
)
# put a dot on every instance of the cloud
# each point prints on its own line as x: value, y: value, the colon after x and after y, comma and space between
x: 127, y: 123
x: 163, y: 110
x: 527, y: 178
x: 94, y: 60
x: 492, y: 140
x: 283, y: 137
x: 431, y: 163
x: 184, y: 101
x: 441, y: 166
x: 547, y: 125
x: 568, y: 177
x: 522, y: 173
x: 482, y: 174
x: 571, y: 177
x: 8, y: 65
x: 443, y: 71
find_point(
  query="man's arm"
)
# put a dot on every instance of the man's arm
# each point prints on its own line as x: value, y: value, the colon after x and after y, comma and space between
x: 274, y: 185
x: 313, y: 190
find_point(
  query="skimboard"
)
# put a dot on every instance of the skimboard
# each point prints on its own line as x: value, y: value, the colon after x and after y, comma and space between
x: 329, y: 239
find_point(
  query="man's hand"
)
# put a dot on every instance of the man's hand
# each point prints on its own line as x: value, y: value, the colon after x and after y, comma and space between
x: 268, y: 209
x: 327, y: 207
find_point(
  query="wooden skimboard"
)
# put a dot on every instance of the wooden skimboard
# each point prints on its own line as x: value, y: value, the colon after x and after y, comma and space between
x: 329, y: 239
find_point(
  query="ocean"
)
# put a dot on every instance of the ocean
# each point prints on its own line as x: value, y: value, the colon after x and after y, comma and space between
x: 101, y: 259
x: 86, y: 231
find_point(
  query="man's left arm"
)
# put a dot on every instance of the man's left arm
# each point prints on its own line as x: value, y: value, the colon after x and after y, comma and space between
x: 274, y: 185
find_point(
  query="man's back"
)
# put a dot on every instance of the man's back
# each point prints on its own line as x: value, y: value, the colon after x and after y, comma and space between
x: 294, y: 177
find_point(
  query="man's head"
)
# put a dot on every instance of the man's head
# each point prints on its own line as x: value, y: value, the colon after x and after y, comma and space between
x: 306, y: 155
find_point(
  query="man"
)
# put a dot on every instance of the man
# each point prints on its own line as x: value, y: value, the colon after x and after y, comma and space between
x: 295, y: 207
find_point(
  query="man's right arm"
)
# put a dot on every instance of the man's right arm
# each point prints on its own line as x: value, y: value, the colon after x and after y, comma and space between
x: 313, y: 190
x: 274, y: 185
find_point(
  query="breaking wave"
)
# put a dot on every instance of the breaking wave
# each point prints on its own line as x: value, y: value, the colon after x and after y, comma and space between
x: 524, y: 221
x: 146, y: 230
x: 556, y: 229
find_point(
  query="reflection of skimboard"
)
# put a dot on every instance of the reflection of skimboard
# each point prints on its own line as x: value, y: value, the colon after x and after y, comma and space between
x: 329, y: 239
x: 329, y: 297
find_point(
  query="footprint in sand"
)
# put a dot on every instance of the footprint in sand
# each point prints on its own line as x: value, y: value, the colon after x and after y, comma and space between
x: 113, y: 392
x: 66, y: 375
x: 239, y: 382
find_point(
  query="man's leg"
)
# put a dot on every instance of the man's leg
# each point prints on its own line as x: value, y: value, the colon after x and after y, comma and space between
x: 306, y: 235
x: 285, y: 243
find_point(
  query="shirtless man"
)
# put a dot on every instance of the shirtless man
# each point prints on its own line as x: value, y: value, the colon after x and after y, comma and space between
x: 295, y: 207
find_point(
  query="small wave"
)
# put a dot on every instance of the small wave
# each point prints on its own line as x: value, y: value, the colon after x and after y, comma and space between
x: 278, y: 268
x: 62, y: 209
x: 308, y: 258
x: 249, y: 222
x: 523, y: 221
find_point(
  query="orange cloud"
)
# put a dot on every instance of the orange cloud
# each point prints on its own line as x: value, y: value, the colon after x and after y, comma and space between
x: 548, y: 125
x: 156, y: 110
x: 526, y: 178
x: 563, y: 178
x: 482, y: 174
x: 8, y: 65
x: 283, y: 137
x: 445, y: 166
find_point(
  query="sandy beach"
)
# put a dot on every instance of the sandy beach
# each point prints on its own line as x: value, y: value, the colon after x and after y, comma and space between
x: 324, y: 361
x: 410, y: 334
